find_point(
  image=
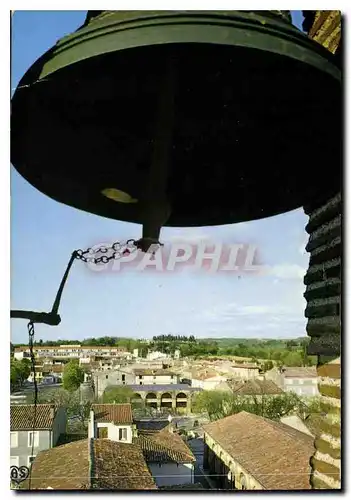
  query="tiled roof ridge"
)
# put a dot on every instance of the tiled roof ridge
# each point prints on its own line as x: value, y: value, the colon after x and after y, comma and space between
x: 39, y: 404
x: 110, y: 404
x: 288, y: 431
x: 264, y: 386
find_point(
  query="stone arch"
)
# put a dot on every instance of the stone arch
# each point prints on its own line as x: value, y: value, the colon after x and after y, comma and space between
x: 137, y: 399
x: 166, y: 400
x: 180, y: 403
x: 151, y: 399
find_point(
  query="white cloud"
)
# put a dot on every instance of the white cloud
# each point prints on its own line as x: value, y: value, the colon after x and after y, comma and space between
x: 233, y: 317
x: 227, y: 312
x: 256, y: 310
x: 286, y: 271
x: 187, y: 235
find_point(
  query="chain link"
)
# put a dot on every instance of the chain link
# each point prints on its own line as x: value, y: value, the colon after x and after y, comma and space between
x: 32, y: 357
x: 31, y: 333
x: 113, y: 252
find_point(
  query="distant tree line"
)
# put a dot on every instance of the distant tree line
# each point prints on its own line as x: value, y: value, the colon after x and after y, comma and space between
x: 173, y: 338
x: 288, y: 352
x: 281, y: 351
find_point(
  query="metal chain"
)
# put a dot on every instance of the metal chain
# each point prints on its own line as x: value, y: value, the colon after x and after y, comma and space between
x: 113, y: 252
x: 31, y: 333
x: 116, y: 251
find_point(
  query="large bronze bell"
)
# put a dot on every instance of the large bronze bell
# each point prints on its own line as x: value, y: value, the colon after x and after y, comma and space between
x: 180, y: 118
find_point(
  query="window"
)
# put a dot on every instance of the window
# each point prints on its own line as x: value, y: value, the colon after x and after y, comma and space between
x: 33, y: 438
x: 31, y: 460
x: 140, y: 383
x: 14, y: 439
x: 14, y: 461
x: 106, y: 376
x: 140, y: 377
x: 122, y: 434
x: 102, y: 432
x: 123, y: 378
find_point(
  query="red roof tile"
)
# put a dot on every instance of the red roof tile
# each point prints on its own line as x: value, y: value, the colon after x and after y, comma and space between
x: 117, y: 413
x: 275, y: 454
x: 22, y: 417
x: 164, y: 446
x: 120, y: 466
x: 91, y: 464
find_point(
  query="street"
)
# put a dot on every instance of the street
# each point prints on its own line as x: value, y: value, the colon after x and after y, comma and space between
x: 197, y: 447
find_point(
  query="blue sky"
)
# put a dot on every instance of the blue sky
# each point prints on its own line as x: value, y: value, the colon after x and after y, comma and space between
x: 141, y: 304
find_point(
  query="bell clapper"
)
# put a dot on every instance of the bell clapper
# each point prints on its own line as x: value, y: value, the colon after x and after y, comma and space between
x: 156, y: 202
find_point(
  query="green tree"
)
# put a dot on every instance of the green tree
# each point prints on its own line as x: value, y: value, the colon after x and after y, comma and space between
x: 293, y: 358
x: 215, y: 403
x: 73, y: 376
x: 281, y: 406
x: 119, y: 394
x: 24, y: 369
x: 267, y: 365
x: 220, y: 404
x: 19, y: 372
x: 13, y: 374
x: 77, y: 412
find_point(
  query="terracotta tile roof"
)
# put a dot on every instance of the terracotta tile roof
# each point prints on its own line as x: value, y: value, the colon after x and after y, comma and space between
x: 275, y: 454
x: 93, y: 365
x: 300, y: 372
x: 57, y: 368
x: 254, y: 387
x: 64, y: 467
x: 120, y: 466
x: 152, y: 425
x: 248, y: 366
x: 22, y: 417
x: 98, y: 464
x: 117, y: 413
x: 164, y: 446
x: 156, y: 372
x: 204, y: 375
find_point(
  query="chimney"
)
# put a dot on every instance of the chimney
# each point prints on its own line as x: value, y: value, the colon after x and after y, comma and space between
x: 170, y: 425
x: 52, y: 412
x: 91, y: 425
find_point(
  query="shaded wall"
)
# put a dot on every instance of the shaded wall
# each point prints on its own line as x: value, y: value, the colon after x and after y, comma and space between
x: 323, y: 289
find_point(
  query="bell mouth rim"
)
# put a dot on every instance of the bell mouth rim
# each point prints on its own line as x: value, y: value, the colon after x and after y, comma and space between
x: 184, y: 27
